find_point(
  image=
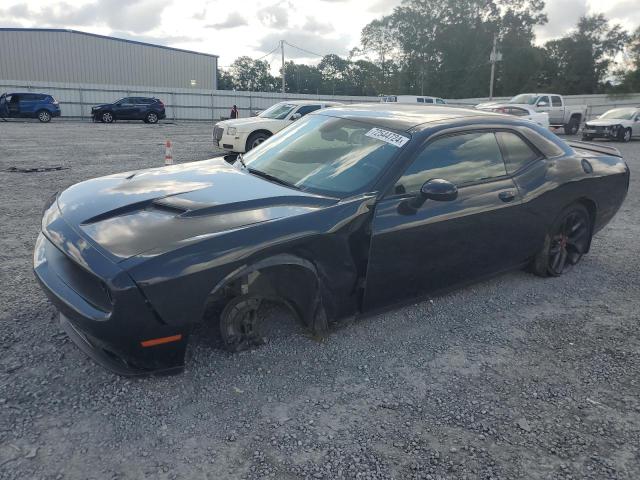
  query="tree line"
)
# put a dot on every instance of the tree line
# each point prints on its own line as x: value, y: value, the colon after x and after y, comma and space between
x: 442, y: 48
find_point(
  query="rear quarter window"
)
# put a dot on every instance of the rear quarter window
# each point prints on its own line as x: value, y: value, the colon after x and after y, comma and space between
x: 516, y: 152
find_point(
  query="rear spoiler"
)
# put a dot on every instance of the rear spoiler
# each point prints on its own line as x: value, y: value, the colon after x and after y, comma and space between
x: 595, y: 147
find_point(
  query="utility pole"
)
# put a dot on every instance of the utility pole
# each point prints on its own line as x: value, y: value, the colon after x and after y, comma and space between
x: 282, y: 51
x: 493, y: 58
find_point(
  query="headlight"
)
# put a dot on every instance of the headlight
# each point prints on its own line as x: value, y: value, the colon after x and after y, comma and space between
x: 231, y: 131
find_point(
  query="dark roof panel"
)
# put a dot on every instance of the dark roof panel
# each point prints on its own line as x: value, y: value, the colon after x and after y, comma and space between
x: 401, y: 116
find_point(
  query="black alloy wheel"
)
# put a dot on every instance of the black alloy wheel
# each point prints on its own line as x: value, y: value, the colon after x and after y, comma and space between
x: 570, y: 241
x: 566, y: 244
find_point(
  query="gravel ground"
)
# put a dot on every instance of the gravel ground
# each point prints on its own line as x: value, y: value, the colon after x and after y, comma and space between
x: 516, y: 377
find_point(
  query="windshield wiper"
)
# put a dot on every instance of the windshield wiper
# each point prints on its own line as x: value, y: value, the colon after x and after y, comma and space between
x: 240, y: 158
x: 273, y: 178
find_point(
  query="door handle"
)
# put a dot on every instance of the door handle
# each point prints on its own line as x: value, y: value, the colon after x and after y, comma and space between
x: 507, y: 195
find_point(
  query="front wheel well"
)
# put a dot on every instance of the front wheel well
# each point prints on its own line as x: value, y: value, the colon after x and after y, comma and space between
x: 293, y: 284
x: 257, y: 132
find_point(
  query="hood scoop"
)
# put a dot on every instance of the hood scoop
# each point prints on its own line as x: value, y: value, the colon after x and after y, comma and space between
x: 135, y: 208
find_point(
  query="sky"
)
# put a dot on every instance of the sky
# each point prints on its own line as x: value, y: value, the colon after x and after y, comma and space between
x: 230, y: 29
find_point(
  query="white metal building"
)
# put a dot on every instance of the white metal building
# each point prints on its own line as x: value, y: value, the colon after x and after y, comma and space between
x: 73, y: 57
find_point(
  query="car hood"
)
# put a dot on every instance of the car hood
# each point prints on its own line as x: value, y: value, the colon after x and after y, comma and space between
x: 606, y: 122
x: 159, y: 209
x: 487, y: 105
x: 251, y: 123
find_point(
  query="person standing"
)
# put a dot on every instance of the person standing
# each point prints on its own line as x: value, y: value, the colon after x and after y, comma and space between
x: 234, y: 112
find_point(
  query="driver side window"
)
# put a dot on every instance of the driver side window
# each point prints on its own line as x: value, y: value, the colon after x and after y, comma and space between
x: 307, y: 109
x: 461, y: 159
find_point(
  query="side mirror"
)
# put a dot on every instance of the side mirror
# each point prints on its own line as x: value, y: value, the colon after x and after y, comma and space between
x: 435, y: 189
x: 296, y: 116
x: 543, y: 104
x: 439, y: 190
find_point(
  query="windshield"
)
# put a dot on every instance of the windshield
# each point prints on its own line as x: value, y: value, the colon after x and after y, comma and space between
x: 326, y: 155
x: 620, y: 113
x: 526, y: 98
x: 279, y: 111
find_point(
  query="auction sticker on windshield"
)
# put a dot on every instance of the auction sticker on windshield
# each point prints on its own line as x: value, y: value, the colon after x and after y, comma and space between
x: 387, y: 136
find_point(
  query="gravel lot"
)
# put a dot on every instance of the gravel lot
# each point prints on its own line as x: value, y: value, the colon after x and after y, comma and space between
x: 517, y: 377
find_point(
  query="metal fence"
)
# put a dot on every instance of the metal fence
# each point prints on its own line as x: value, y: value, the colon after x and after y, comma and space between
x: 180, y: 104
x: 186, y: 104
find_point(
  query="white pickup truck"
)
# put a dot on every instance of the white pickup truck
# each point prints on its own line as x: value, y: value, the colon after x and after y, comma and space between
x: 560, y: 115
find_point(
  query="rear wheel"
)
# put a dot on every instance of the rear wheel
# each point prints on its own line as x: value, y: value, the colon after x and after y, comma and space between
x: 571, y: 128
x: 106, y: 117
x: 44, y: 116
x: 151, y: 117
x: 565, y: 245
x: 256, y: 139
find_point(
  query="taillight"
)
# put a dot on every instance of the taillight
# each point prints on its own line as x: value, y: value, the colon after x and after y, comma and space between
x: 160, y: 103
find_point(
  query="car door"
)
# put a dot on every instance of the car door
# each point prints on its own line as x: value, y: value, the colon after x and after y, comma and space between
x: 4, y: 110
x: 444, y: 243
x: 304, y: 110
x: 543, y: 104
x: 556, y: 114
x: 26, y: 104
x: 635, y: 127
x: 124, y: 109
x: 13, y: 105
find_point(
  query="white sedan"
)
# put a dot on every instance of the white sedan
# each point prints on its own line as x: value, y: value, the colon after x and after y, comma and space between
x: 618, y: 124
x: 519, y: 110
x: 242, y: 134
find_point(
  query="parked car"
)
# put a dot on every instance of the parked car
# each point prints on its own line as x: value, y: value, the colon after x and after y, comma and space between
x: 524, y: 111
x: 412, y: 99
x: 350, y: 210
x: 147, y: 109
x: 618, y: 124
x: 240, y: 135
x: 29, y: 105
x: 560, y: 114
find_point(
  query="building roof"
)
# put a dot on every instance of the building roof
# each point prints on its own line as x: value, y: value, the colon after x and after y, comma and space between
x: 78, y: 32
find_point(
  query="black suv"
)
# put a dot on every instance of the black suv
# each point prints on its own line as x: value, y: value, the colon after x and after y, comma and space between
x: 149, y: 110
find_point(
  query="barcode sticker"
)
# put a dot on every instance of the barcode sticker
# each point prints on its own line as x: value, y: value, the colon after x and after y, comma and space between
x: 386, y: 136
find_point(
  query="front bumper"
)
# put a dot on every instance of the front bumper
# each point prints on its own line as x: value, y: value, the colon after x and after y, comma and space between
x: 232, y: 143
x: 101, y: 308
x: 601, y: 132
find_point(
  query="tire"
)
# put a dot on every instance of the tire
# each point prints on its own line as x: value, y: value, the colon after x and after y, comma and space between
x: 587, y: 138
x: 240, y: 327
x: 44, y: 116
x: 566, y: 243
x: 571, y: 128
x: 256, y: 139
x: 106, y: 117
x: 624, y: 135
x: 152, y: 117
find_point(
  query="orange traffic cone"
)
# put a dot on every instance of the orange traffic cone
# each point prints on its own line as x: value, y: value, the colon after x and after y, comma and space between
x: 168, y: 154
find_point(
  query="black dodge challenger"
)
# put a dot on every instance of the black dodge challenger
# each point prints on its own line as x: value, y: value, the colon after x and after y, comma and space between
x: 347, y: 211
